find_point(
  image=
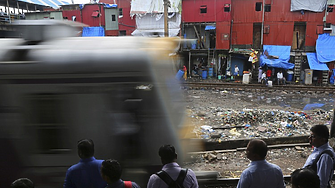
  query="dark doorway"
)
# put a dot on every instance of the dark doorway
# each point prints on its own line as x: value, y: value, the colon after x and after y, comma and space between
x: 257, y: 36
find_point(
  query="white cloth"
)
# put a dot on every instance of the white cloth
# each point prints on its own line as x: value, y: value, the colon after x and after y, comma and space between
x: 263, y: 76
x: 280, y: 75
x: 311, y: 5
x: 237, y: 69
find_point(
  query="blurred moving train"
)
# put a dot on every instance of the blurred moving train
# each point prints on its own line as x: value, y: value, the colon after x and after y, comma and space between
x: 55, y: 90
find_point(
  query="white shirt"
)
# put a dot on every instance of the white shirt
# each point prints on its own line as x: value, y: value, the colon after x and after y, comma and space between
x: 237, y: 69
x: 280, y: 75
x: 263, y: 75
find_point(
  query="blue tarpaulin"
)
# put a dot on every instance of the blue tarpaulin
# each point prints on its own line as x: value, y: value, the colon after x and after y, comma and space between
x: 313, y: 106
x: 210, y: 27
x: 325, y: 48
x: 283, y: 53
x: 314, y: 64
x: 332, y: 78
x: 110, y: 5
x: 51, y: 3
x: 93, y: 31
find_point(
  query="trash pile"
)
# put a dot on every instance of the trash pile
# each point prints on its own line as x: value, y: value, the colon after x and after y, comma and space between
x: 225, y: 124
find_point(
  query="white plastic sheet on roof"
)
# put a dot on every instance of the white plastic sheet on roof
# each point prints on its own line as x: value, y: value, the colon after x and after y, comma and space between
x: 51, y: 3
x: 148, y: 24
x: 152, y: 6
x: 310, y: 5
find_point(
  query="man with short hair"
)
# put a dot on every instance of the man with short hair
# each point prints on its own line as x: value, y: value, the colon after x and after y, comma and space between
x: 168, y: 157
x: 280, y: 78
x: 305, y: 178
x: 260, y: 173
x: 111, y: 172
x: 86, y: 173
x: 321, y: 160
x: 22, y: 183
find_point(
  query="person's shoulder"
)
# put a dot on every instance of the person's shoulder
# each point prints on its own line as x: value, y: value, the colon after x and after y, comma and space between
x: 134, y: 184
x: 275, y: 166
x: 74, y: 167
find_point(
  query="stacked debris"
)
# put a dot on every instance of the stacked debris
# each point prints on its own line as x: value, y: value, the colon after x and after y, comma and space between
x: 225, y: 124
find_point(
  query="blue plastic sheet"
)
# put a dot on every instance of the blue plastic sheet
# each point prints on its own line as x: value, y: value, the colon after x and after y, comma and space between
x: 210, y: 27
x: 314, y: 64
x: 325, y: 48
x: 93, y: 32
x: 283, y: 52
x: 332, y: 78
x: 313, y: 106
x: 51, y: 3
x: 110, y: 5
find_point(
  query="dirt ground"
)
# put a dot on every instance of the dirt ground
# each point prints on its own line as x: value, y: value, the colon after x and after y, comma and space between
x: 204, y: 105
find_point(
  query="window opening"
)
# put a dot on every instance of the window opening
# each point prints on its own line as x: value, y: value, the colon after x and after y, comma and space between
x: 122, y: 33
x: 330, y: 8
x: 226, y: 8
x: 258, y: 6
x: 45, y: 119
x: 113, y: 17
x: 120, y: 12
x: 203, y: 9
x: 267, y: 8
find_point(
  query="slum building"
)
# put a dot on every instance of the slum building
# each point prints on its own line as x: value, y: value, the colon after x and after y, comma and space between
x: 106, y: 18
x: 227, y: 32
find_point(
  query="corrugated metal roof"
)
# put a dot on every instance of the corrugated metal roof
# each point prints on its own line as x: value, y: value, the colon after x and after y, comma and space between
x: 51, y: 3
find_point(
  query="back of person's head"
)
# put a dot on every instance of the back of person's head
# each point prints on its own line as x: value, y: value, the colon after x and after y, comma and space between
x: 112, y: 169
x: 321, y: 131
x: 85, y: 148
x: 22, y: 183
x: 167, y: 153
x: 258, y: 147
x: 305, y: 178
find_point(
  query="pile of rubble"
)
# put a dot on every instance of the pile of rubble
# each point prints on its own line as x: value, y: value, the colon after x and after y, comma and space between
x: 226, y: 124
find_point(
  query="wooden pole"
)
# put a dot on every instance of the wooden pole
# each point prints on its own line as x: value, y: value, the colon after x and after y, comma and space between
x: 166, y: 24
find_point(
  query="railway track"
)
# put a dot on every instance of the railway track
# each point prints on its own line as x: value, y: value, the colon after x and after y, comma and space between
x: 255, y: 87
x: 211, y: 179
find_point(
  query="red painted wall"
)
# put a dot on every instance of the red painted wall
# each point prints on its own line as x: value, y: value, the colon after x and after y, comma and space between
x: 89, y: 19
x: 126, y: 22
x: 215, y: 12
x: 242, y: 33
x: 70, y: 13
x: 111, y: 33
x: 280, y: 20
x: 331, y: 16
x: 222, y: 28
x: 311, y: 36
x: 281, y: 33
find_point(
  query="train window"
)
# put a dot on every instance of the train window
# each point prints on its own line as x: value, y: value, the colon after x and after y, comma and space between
x: 46, y: 123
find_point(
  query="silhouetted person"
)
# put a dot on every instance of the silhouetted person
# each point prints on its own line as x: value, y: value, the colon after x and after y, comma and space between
x: 321, y: 160
x: 111, y: 172
x: 22, y: 183
x: 260, y: 173
x: 305, y: 178
x: 168, y: 157
x: 86, y: 173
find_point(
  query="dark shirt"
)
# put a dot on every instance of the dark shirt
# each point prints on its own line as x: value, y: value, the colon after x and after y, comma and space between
x: 85, y: 174
x: 120, y: 184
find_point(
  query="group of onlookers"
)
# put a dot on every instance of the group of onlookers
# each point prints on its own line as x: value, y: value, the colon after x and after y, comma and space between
x: 317, y: 171
x: 268, y: 75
